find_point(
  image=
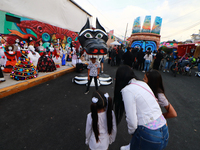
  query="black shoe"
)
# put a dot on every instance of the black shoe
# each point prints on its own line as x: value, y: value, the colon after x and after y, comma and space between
x: 86, y: 92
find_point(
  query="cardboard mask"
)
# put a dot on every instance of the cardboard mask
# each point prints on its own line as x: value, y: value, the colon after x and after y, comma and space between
x: 93, y: 41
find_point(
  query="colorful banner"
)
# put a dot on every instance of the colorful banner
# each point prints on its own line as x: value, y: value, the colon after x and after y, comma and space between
x: 157, y: 25
x: 147, y: 24
x: 136, y: 25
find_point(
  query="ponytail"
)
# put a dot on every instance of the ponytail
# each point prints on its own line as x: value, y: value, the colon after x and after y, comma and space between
x: 95, y: 128
x: 109, y: 115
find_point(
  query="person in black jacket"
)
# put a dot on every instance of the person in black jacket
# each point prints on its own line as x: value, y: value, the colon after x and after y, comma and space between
x: 159, y: 57
x: 120, y: 53
x: 134, y: 52
x: 113, y: 56
x: 140, y: 59
x: 128, y: 57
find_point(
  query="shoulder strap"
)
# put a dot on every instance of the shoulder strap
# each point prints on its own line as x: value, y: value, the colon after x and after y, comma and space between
x: 146, y: 90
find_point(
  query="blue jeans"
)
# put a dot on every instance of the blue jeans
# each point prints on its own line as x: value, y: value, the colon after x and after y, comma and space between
x: 168, y: 65
x: 198, y: 67
x: 146, y: 65
x: 147, y: 139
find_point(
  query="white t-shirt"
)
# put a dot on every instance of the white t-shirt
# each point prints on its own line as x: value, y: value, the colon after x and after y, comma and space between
x: 162, y: 100
x: 104, y: 137
x: 146, y: 57
x: 93, y: 68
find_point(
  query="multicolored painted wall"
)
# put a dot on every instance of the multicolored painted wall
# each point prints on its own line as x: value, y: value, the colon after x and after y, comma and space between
x: 146, y: 44
x: 13, y: 27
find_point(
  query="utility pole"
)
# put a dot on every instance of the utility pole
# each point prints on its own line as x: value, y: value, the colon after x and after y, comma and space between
x: 125, y: 32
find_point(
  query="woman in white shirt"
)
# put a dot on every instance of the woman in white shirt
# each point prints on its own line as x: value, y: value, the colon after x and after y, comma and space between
x: 100, y: 125
x: 144, y: 118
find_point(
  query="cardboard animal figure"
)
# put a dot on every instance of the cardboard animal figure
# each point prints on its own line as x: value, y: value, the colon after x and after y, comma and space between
x: 93, y: 41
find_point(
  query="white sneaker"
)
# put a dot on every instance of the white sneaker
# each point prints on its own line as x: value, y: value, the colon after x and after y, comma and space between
x: 101, y: 71
x: 143, y: 71
x: 86, y: 92
x: 126, y: 147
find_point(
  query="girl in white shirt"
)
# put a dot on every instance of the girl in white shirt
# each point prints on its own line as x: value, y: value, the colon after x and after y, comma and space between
x: 144, y: 118
x: 148, y: 60
x: 154, y: 79
x: 100, y: 125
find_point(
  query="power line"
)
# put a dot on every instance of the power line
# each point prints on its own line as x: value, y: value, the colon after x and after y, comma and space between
x: 182, y: 16
x: 183, y: 30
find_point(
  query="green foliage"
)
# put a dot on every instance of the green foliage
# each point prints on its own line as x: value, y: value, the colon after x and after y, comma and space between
x: 166, y: 49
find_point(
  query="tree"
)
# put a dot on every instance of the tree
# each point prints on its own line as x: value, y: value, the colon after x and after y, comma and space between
x: 166, y: 49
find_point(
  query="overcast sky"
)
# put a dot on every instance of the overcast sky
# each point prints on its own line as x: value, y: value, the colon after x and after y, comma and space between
x: 180, y: 18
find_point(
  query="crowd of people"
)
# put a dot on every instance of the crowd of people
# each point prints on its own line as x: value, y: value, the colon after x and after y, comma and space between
x: 142, y: 60
x: 140, y: 100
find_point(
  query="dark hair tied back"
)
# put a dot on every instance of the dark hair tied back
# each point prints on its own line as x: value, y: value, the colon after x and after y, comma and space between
x: 100, y: 104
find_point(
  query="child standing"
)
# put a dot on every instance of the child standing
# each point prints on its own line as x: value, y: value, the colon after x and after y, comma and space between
x: 100, y: 125
x: 93, y: 72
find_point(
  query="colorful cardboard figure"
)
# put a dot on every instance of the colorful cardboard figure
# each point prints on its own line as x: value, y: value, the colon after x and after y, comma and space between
x: 56, y: 58
x: 2, y: 61
x: 11, y: 58
x: 24, y: 68
x: 17, y: 48
x: 93, y: 41
x: 33, y: 55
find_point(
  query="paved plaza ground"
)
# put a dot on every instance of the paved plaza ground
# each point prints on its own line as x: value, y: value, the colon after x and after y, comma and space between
x: 52, y: 115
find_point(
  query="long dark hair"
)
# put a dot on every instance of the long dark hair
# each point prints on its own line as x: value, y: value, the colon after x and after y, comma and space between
x: 94, y: 107
x: 123, y: 75
x: 148, y: 53
x: 155, y: 82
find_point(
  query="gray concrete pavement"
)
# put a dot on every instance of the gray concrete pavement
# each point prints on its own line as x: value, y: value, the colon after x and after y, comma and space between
x: 52, y: 115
